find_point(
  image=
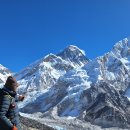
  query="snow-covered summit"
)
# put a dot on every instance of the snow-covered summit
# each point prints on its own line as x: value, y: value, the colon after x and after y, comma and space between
x: 4, y: 73
x: 122, y: 48
x: 74, y: 55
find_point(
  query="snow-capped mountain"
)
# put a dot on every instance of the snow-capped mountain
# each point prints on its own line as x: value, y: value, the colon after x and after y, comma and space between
x: 73, y: 86
x: 70, y: 85
x: 113, y: 67
x: 35, y: 79
x: 4, y: 73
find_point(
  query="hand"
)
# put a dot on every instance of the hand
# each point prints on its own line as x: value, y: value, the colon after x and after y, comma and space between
x: 21, y: 97
x: 14, y: 128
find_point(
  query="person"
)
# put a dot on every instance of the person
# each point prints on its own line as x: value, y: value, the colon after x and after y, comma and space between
x: 9, y: 113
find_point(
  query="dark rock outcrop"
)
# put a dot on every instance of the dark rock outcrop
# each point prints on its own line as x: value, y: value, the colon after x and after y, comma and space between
x: 109, y: 108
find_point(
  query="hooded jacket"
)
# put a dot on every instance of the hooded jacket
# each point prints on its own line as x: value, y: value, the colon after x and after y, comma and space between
x: 9, y: 113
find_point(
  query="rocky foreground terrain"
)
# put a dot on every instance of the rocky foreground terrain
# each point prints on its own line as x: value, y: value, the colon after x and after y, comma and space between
x: 29, y: 124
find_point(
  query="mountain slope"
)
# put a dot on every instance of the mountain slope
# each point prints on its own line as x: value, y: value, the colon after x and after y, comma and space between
x: 43, y: 73
x: 4, y: 73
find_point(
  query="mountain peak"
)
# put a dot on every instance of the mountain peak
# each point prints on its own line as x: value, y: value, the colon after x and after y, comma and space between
x: 123, y: 43
x: 73, y: 48
x: 49, y: 57
x: 122, y: 48
x: 4, y: 73
x: 74, y: 54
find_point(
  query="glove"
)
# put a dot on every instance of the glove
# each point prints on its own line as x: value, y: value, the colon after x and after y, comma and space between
x: 14, y: 128
x: 21, y: 97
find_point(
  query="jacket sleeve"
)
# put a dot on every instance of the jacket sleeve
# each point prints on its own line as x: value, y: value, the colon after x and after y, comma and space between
x: 17, y: 98
x: 4, y: 106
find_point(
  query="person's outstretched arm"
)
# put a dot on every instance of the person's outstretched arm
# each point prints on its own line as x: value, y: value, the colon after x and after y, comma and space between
x: 19, y: 98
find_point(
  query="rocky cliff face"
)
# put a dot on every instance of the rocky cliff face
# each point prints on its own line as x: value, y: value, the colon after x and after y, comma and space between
x: 108, y: 108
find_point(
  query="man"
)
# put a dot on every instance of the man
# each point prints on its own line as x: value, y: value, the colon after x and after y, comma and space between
x: 9, y: 114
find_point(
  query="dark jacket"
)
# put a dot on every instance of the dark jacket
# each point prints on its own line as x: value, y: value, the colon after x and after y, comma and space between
x: 9, y: 114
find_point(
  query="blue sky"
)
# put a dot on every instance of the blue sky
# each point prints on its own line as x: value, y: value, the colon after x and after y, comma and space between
x: 30, y: 29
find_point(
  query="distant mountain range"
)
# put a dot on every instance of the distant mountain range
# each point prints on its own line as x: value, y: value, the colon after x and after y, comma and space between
x: 70, y: 85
